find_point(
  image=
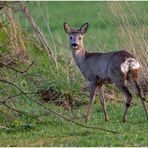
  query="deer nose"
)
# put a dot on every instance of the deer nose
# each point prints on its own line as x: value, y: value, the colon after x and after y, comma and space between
x: 74, y: 45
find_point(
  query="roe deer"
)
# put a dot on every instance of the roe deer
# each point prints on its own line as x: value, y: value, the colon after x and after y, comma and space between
x: 104, y: 68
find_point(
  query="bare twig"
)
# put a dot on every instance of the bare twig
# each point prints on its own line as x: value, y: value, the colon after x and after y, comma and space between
x: 16, y: 110
x: 54, y: 112
x: 18, y: 70
x: 19, y: 94
x: 24, y: 73
x: 29, y: 66
x: 38, y: 33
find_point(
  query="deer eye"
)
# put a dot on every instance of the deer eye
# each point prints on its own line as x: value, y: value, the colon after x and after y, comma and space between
x: 79, y: 38
x: 70, y: 37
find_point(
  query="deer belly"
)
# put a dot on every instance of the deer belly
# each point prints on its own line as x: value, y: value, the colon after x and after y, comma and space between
x: 100, y: 80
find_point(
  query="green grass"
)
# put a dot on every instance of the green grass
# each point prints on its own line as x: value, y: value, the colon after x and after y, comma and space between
x: 57, y: 132
x: 113, y: 26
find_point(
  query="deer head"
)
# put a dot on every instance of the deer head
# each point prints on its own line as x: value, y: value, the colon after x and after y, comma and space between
x: 76, y: 35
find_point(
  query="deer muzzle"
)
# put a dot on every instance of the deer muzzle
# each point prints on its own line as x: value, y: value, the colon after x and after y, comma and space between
x: 74, y: 46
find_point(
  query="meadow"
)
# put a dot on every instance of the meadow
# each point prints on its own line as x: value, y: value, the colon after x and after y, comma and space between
x: 112, y: 26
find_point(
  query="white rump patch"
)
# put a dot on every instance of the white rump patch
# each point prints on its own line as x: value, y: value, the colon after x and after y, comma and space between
x: 125, y: 67
x: 129, y: 64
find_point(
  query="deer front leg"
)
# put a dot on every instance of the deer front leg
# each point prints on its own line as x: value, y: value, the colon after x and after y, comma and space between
x: 102, y: 101
x: 92, y: 88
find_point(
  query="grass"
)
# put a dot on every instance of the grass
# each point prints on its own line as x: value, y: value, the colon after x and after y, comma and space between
x: 57, y: 132
x: 113, y: 26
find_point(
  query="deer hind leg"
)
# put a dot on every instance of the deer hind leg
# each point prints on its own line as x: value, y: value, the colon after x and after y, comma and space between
x: 102, y: 101
x: 128, y: 98
x: 92, y: 89
x: 136, y: 87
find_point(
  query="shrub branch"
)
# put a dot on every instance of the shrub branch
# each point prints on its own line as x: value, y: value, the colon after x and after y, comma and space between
x: 54, y: 112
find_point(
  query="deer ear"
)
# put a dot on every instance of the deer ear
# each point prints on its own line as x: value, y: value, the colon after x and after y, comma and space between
x: 84, y: 28
x: 66, y: 28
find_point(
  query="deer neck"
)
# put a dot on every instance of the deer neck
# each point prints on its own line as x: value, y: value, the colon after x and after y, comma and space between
x: 79, y: 56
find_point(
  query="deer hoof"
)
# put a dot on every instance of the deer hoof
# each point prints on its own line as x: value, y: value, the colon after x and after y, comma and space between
x: 124, y: 120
